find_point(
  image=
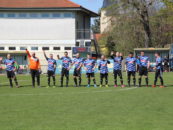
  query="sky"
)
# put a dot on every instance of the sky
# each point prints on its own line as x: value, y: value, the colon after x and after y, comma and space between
x: 93, y: 5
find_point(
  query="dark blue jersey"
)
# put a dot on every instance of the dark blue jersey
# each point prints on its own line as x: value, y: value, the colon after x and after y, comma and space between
x: 51, y: 64
x: 143, y: 61
x: 159, y: 63
x: 131, y: 63
x: 103, y: 66
x: 90, y: 64
x: 66, y: 61
x: 9, y: 64
x: 77, y: 62
x: 117, y: 62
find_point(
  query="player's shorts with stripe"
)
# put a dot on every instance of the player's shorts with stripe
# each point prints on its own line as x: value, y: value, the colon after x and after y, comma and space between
x: 129, y: 73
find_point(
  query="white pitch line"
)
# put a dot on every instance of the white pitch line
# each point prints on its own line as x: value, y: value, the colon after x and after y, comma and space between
x: 53, y: 94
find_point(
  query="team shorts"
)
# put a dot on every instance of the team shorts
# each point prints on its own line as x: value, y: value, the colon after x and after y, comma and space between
x: 143, y: 71
x: 90, y: 75
x: 50, y: 73
x: 10, y: 74
x: 77, y: 73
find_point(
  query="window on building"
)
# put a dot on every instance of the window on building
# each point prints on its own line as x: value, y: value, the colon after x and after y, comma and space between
x: 12, y: 48
x: 57, y: 48
x: 87, y: 43
x: 2, y: 48
x: 67, y: 15
x: 34, y: 48
x: 77, y: 43
x: 56, y: 15
x: 22, y: 48
x: 33, y: 15
x: 22, y: 15
x: 1, y: 15
x: 11, y: 15
x: 44, y: 15
x: 45, y: 48
x: 67, y: 48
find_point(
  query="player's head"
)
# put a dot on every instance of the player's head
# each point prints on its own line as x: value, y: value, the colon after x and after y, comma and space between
x: 157, y: 54
x: 77, y: 55
x: 8, y: 56
x: 66, y: 53
x: 131, y: 54
x: 89, y: 56
x: 142, y: 53
x: 117, y: 53
x: 103, y: 57
x: 33, y: 54
x: 51, y: 56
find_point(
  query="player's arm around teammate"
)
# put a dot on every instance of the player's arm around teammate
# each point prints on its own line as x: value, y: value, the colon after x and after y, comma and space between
x: 10, y: 69
x: 51, y: 69
x: 34, y: 67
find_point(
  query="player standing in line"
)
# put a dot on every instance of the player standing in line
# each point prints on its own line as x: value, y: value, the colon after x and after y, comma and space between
x: 51, y: 69
x: 131, y: 68
x: 66, y: 61
x: 89, y: 66
x: 144, y: 65
x: 77, y: 62
x: 159, y: 70
x: 35, y: 68
x: 118, y: 58
x: 10, y: 69
x: 103, y: 67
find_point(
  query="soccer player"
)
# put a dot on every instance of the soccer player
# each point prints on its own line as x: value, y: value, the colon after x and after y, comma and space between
x: 159, y: 70
x: 51, y: 69
x: 66, y: 62
x: 131, y: 68
x: 144, y: 65
x: 10, y: 69
x: 89, y: 66
x: 118, y: 58
x: 78, y: 63
x: 103, y: 67
x: 35, y: 68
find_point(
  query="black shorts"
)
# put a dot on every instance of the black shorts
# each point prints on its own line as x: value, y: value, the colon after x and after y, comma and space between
x: 90, y: 75
x: 50, y: 73
x: 103, y: 75
x: 10, y: 74
x: 118, y: 72
x: 77, y: 73
x: 35, y: 73
x: 143, y: 71
x: 65, y: 72
x: 131, y: 73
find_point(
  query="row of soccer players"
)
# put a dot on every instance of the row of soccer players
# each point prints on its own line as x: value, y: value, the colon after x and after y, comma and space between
x: 89, y: 65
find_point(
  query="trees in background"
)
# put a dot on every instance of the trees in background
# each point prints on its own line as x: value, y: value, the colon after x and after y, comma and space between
x: 139, y: 23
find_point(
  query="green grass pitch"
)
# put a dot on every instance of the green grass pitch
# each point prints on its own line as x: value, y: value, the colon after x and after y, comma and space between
x: 83, y: 108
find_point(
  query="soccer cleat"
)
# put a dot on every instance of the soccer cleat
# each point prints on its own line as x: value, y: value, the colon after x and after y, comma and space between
x: 153, y: 86
x: 48, y: 87
x: 54, y: 86
x: 17, y: 86
x: 95, y: 86
x: 162, y: 86
x: 115, y: 86
x: 123, y: 86
x: 39, y: 86
x: 101, y: 86
x: 88, y: 86
x: 107, y: 86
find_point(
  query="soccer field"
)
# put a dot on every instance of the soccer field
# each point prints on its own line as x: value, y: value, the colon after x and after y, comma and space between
x: 28, y: 108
